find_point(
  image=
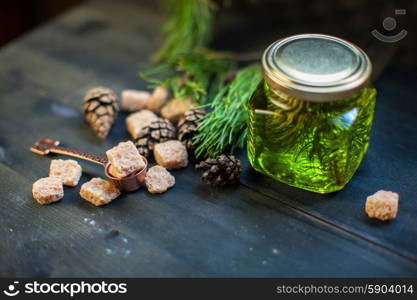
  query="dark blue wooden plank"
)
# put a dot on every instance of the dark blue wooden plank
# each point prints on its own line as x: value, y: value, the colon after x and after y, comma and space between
x: 193, y: 230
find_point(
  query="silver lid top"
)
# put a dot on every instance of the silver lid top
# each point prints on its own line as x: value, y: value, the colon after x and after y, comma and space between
x: 316, y: 67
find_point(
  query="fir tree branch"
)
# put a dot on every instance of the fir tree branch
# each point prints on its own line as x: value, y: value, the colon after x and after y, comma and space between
x: 195, y: 75
x: 188, y: 27
x: 224, y: 129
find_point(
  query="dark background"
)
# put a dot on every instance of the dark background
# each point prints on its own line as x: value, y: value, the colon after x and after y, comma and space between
x: 19, y: 16
x: 261, y: 19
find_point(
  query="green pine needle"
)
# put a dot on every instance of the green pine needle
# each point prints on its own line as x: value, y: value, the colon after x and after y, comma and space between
x: 188, y: 26
x: 224, y: 129
x: 195, y: 75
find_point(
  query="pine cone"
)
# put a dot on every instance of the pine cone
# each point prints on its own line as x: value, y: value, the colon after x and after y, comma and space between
x: 221, y: 171
x: 158, y: 131
x: 100, y: 109
x: 187, y: 127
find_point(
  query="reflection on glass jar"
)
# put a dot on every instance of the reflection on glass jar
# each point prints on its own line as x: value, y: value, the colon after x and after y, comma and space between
x: 310, y: 119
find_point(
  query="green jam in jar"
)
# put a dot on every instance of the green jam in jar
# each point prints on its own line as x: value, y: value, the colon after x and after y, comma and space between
x: 309, y: 123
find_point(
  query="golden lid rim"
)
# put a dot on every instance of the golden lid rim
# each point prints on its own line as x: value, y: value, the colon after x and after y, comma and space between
x: 316, y: 91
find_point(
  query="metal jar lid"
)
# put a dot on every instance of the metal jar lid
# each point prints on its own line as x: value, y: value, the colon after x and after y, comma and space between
x: 316, y: 67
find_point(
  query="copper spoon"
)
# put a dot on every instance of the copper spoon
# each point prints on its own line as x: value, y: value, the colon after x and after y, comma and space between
x: 129, y: 183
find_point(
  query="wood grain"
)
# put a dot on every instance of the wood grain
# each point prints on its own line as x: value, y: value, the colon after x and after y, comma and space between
x: 258, y: 228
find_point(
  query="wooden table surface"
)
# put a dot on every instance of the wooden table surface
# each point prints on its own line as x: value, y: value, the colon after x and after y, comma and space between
x: 256, y: 228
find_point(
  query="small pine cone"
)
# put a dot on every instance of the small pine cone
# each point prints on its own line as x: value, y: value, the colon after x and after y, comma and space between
x: 144, y: 145
x: 100, y: 109
x: 187, y: 127
x: 158, y: 131
x: 220, y: 171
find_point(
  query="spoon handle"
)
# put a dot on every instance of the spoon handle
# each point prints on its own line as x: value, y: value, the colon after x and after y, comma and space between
x: 98, y: 159
x: 46, y: 146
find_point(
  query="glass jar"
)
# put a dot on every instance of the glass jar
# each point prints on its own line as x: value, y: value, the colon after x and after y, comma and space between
x: 311, y: 116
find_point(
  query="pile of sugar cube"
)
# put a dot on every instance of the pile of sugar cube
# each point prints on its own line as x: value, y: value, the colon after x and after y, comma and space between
x: 68, y: 172
x: 144, y: 108
x: 61, y: 172
x: 124, y: 159
x: 134, y: 100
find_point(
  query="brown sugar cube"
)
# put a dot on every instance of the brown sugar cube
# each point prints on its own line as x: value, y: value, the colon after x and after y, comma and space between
x: 112, y: 170
x: 99, y: 191
x: 136, y: 122
x: 382, y: 205
x: 134, y: 100
x: 125, y: 159
x: 158, y: 98
x: 171, y: 155
x: 158, y: 180
x: 47, y: 190
x: 176, y: 108
x: 69, y: 171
